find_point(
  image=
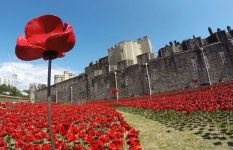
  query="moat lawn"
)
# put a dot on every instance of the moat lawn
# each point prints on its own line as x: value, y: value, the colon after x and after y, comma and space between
x: 156, y: 136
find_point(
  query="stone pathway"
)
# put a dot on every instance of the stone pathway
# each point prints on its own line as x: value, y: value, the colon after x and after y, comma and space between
x: 155, y: 136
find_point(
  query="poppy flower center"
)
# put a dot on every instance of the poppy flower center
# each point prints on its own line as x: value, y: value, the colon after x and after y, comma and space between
x: 50, y: 54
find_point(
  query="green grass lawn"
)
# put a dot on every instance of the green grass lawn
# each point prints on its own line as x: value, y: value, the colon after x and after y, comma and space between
x: 156, y: 136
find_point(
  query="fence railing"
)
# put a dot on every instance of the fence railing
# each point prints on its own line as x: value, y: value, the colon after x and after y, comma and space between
x: 6, y: 98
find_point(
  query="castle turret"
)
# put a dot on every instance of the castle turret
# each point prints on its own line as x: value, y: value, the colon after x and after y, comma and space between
x: 170, y: 49
x: 125, y: 53
x: 32, y: 92
x: 191, y: 44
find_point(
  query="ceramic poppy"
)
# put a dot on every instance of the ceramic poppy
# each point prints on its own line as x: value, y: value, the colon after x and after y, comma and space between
x: 194, y: 80
x: 114, y: 91
x: 45, y: 35
x: 4, y: 106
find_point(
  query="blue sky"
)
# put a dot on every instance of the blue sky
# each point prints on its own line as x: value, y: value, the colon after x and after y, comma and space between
x: 100, y: 24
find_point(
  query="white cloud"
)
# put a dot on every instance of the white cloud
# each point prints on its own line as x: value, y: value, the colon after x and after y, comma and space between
x: 28, y: 73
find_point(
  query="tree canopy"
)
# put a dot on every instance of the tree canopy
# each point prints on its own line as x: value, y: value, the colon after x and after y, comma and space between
x: 10, y: 90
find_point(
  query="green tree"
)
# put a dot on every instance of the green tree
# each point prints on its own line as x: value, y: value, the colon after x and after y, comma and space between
x: 10, y: 90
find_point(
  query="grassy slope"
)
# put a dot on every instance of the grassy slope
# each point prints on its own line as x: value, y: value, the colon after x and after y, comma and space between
x: 155, y: 136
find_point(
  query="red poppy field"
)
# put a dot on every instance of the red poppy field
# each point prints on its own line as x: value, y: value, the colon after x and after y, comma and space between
x: 25, y: 126
x: 205, y: 111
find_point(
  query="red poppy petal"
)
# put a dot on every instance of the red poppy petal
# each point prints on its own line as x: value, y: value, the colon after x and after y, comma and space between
x: 62, y: 42
x: 25, y: 51
x: 60, y: 55
x: 43, y: 25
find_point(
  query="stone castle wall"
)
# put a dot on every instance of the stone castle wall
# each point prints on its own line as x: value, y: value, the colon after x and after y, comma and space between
x: 174, y: 68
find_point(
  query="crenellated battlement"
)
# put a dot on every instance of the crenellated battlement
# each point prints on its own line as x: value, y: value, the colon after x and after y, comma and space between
x: 195, y: 42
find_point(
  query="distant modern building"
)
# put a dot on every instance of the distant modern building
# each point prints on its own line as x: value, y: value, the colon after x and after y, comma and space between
x: 6, y: 81
x: 59, y: 78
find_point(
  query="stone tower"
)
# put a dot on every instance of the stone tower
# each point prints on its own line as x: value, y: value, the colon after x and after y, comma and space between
x: 127, y: 52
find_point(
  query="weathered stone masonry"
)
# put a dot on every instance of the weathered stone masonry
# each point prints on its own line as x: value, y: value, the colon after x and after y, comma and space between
x: 174, y: 68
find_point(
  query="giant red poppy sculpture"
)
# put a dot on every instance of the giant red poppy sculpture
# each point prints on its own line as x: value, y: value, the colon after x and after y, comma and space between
x: 49, y: 38
x: 45, y: 37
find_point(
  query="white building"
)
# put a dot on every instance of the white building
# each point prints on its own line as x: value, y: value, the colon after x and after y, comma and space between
x: 128, y: 51
x: 66, y: 75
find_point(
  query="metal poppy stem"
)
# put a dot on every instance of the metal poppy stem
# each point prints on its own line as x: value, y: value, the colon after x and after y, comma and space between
x: 49, y: 104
